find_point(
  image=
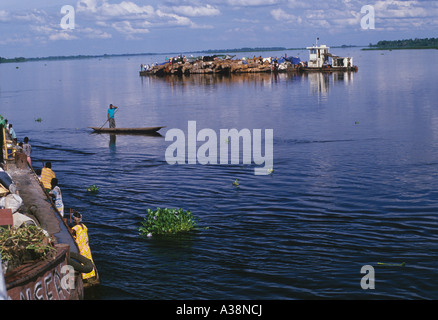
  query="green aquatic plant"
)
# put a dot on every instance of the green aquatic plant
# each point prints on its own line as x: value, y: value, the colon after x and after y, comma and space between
x: 93, y: 189
x: 167, y: 221
x: 38, y: 120
x: 236, y: 183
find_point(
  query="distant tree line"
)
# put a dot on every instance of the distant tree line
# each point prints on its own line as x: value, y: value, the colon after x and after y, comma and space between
x: 244, y: 49
x: 407, y: 43
x: 53, y: 58
x: 6, y: 60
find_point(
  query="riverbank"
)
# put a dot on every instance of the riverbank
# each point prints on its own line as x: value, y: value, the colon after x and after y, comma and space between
x: 398, y: 48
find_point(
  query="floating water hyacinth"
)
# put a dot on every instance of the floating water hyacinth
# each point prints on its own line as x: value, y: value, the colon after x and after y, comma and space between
x: 270, y: 170
x: 93, y: 189
x: 236, y: 183
x: 38, y: 120
x: 167, y: 221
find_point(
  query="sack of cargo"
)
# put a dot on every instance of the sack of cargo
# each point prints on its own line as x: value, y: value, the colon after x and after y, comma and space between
x: 13, y: 202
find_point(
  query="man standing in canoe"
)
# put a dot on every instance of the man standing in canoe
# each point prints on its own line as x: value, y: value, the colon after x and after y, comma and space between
x: 111, y: 119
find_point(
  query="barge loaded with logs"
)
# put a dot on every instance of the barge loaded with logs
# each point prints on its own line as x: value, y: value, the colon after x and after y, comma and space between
x: 40, y: 257
x: 320, y: 60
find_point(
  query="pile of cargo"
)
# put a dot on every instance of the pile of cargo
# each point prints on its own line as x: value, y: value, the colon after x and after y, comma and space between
x: 220, y: 65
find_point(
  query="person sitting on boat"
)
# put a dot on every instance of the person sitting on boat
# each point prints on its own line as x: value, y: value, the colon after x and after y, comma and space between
x: 80, y: 234
x: 111, y: 119
x: 47, y: 175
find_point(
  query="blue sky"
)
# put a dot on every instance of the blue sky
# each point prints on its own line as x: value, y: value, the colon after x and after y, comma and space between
x: 31, y: 28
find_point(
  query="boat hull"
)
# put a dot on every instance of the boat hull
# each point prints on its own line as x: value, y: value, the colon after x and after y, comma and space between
x: 332, y: 69
x: 146, y: 130
x: 43, y: 280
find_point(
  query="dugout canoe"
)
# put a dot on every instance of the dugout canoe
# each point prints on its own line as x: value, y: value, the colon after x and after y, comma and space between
x: 145, y: 130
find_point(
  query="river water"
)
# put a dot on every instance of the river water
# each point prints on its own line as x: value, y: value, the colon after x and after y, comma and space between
x: 354, y: 182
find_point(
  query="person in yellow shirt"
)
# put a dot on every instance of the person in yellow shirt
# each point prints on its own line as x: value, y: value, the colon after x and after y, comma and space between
x: 47, y: 175
x: 80, y: 234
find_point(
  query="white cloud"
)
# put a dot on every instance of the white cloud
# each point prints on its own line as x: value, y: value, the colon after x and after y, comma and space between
x: 62, y: 36
x: 4, y: 16
x: 193, y: 11
x: 33, y: 16
x: 127, y: 27
x: 243, y: 20
x: 88, y: 5
x: 281, y: 15
x: 102, y: 10
x: 248, y: 3
x: 131, y: 19
x: 91, y: 33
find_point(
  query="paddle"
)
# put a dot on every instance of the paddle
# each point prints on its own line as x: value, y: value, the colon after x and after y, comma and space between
x: 108, y: 119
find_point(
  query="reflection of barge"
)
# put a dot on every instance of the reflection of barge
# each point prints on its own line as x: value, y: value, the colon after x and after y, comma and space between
x: 42, y: 279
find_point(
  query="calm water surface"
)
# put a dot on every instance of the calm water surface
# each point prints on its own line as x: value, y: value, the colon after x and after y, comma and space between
x: 355, y: 180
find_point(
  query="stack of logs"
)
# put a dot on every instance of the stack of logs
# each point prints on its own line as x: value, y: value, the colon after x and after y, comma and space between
x: 219, y: 66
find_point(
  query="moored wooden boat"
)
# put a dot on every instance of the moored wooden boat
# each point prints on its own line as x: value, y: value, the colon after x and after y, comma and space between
x: 43, y: 279
x: 144, y: 130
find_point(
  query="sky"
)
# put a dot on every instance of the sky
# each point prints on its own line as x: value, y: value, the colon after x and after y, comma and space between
x: 40, y: 28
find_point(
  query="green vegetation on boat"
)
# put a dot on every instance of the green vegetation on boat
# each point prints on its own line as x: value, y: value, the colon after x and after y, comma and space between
x: 167, y: 221
x: 26, y: 243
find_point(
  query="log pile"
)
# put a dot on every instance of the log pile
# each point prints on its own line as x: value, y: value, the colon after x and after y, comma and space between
x: 219, y: 66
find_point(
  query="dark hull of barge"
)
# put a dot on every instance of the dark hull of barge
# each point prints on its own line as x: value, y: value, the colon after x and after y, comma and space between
x: 330, y: 69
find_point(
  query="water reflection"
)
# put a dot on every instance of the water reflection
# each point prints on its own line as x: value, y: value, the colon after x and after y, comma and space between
x: 112, y: 143
x: 319, y: 81
x: 261, y: 79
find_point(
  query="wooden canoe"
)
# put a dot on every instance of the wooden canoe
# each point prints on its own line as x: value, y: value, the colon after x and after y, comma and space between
x: 145, y: 130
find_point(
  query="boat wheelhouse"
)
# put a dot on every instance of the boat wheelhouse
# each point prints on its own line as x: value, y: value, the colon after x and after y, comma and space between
x: 320, y: 59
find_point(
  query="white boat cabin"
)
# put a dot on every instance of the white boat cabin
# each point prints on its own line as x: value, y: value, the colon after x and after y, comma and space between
x: 319, y: 57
